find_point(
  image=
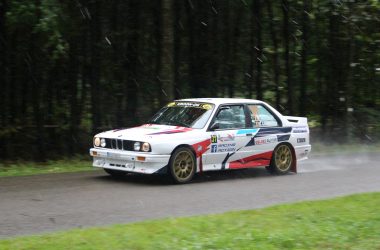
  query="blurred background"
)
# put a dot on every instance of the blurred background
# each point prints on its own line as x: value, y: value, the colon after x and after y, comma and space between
x: 69, y: 69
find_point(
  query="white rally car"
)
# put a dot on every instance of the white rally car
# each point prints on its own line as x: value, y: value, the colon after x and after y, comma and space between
x: 195, y: 135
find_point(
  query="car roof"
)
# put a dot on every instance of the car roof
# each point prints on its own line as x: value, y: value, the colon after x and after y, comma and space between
x: 218, y: 101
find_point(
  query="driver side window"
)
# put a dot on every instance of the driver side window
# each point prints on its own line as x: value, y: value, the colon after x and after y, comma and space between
x: 231, y: 117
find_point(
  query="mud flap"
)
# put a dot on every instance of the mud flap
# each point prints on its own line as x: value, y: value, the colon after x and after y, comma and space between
x: 294, y: 162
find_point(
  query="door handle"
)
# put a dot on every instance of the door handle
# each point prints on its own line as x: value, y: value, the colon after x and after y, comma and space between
x: 248, y: 134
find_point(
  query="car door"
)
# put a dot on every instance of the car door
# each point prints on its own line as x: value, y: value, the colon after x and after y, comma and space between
x: 228, y: 134
x: 268, y: 133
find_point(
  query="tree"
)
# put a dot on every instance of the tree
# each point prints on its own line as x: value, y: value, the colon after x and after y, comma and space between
x: 303, y: 69
x: 166, y: 69
x: 289, y: 83
x: 276, y: 65
x: 71, y: 69
x: 259, y: 48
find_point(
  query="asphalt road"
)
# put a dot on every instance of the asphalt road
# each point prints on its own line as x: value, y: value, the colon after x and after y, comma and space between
x: 52, y: 202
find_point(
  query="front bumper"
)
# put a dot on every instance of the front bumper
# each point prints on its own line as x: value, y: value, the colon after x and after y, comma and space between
x: 137, y: 162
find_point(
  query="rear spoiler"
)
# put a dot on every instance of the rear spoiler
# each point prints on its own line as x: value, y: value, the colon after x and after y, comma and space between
x: 295, y: 120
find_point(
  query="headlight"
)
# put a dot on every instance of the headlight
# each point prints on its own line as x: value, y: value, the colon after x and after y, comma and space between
x: 137, y: 146
x: 145, y: 147
x: 97, y: 141
x: 103, y: 142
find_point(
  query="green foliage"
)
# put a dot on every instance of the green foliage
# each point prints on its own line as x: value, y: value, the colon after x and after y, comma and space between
x: 351, y: 222
x: 58, y: 166
x: 21, y: 14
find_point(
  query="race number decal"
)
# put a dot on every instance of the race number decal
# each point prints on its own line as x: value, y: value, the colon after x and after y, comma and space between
x: 214, y: 139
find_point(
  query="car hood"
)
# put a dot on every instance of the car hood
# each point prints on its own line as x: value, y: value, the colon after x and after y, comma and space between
x: 144, y: 132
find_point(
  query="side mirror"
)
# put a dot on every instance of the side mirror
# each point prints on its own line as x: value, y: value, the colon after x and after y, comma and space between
x: 214, y: 126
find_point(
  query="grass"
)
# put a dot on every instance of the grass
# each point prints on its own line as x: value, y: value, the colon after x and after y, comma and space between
x: 351, y: 222
x: 33, y: 168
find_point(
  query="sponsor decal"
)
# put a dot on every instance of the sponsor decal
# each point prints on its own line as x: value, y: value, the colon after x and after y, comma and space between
x: 247, y: 131
x: 225, y: 147
x: 214, y: 139
x: 262, y: 159
x: 300, y: 130
x: 228, y: 147
x: 228, y: 137
x: 206, y: 106
x: 283, y: 137
x: 263, y: 132
x: 173, y: 131
x: 301, y: 140
x: 203, y: 145
x: 265, y: 140
x: 271, y: 131
x: 187, y: 104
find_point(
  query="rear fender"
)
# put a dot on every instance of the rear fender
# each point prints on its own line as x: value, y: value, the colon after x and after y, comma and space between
x: 296, y: 121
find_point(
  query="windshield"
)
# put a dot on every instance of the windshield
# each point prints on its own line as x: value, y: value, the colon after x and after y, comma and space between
x: 185, y: 114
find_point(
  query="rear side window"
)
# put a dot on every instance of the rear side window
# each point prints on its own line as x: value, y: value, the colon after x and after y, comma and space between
x: 231, y: 117
x: 261, y: 117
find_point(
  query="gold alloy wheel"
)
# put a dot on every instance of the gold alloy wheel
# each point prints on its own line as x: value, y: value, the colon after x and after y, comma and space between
x: 183, y: 165
x: 283, y: 158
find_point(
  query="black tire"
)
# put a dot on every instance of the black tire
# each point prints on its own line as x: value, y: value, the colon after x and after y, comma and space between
x: 282, y: 160
x: 115, y: 173
x: 182, y: 165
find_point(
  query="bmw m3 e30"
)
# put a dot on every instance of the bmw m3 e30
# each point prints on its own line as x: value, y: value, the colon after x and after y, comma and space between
x: 191, y: 136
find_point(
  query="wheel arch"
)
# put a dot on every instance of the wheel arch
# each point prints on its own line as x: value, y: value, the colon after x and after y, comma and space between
x: 293, y: 168
x: 191, y: 149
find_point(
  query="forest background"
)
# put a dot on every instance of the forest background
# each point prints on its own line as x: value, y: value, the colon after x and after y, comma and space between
x: 69, y: 69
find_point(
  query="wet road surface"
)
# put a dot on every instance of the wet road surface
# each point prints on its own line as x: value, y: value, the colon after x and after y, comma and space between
x: 53, y: 202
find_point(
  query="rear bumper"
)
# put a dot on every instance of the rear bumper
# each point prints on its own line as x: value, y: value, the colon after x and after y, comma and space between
x: 137, y: 162
x: 302, y: 152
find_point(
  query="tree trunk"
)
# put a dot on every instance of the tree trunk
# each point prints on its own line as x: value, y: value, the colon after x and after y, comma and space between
x: 73, y: 68
x: 253, y: 51
x: 235, y: 18
x: 335, y: 88
x: 95, y: 62
x: 166, y: 69
x: 3, y: 77
x: 3, y: 60
x: 37, y: 86
x: 259, y: 47
x: 131, y: 63
x: 289, y: 84
x: 116, y: 46
x: 194, y: 92
x: 177, y: 49
x: 276, y: 65
x: 303, y: 74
